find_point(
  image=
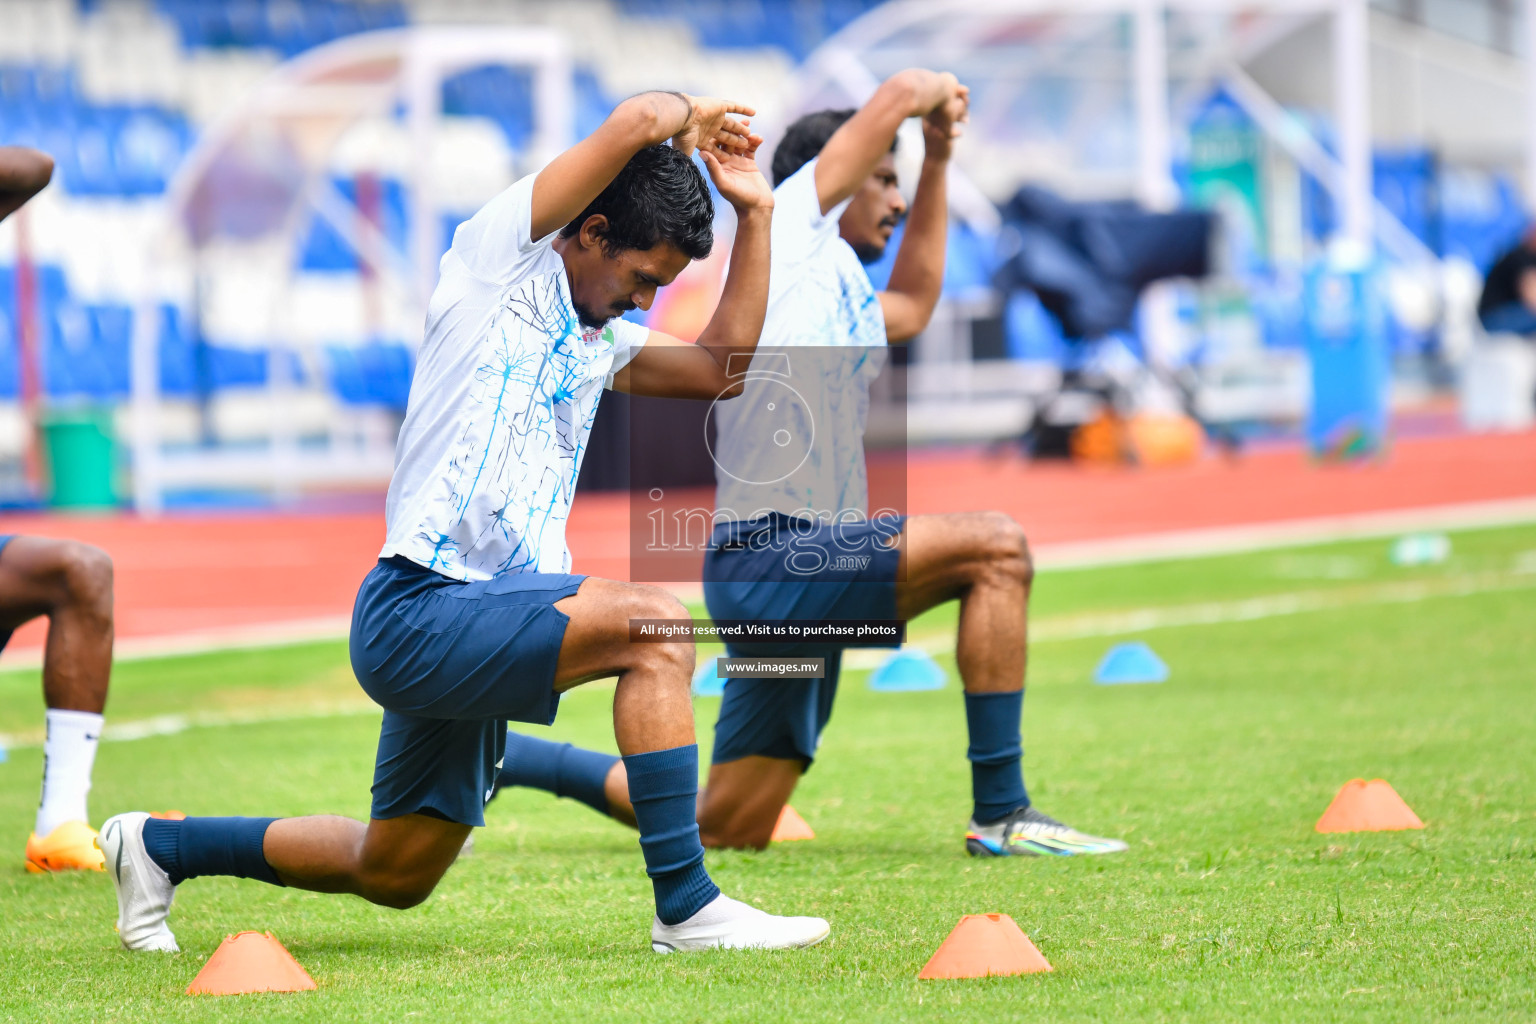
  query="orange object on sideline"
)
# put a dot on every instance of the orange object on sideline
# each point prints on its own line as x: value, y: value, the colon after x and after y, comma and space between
x: 984, y: 945
x: 1368, y: 807
x: 1165, y: 439
x: 790, y: 826
x: 250, y: 962
x: 1145, y: 439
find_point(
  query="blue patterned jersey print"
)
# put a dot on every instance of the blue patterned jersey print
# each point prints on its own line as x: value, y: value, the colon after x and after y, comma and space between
x: 820, y: 300
x: 507, y: 384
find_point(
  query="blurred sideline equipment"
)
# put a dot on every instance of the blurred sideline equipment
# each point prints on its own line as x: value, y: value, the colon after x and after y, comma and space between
x: 907, y: 669
x: 1421, y: 549
x: 1347, y: 342
x: 791, y: 827
x: 1373, y: 806
x: 706, y: 679
x: 1144, y: 439
x: 1498, y: 384
x: 1089, y: 264
x: 984, y: 946
x: 1130, y: 663
x: 250, y: 962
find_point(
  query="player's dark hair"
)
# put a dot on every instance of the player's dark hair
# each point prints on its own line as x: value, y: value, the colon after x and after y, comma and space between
x: 659, y: 196
x: 805, y: 139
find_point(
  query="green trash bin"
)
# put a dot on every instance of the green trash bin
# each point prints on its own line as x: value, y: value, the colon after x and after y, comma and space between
x: 80, y: 452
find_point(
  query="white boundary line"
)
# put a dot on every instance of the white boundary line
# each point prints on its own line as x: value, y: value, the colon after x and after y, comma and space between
x: 1232, y: 540
x: 1213, y: 613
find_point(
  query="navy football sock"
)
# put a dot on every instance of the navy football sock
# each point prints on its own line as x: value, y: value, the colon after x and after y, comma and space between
x: 558, y: 768
x: 997, y: 778
x: 664, y: 789
x: 209, y: 846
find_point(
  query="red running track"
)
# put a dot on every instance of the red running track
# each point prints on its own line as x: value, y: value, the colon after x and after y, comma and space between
x: 208, y: 572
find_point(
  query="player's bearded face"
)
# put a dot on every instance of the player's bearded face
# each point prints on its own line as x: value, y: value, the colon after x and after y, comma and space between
x: 876, y: 209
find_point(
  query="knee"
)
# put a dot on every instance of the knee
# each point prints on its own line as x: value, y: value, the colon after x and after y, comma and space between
x: 1007, y: 549
x: 397, y: 890
x: 86, y: 573
x: 655, y: 603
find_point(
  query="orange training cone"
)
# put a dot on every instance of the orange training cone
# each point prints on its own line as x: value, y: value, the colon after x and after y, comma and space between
x: 1367, y: 807
x: 250, y: 962
x: 790, y: 826
x: 983, y: 945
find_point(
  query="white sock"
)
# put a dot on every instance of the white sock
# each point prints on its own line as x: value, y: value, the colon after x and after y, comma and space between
x: 68, y: 754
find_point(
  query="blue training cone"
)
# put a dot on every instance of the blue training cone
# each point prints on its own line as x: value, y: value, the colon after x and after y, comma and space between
x: 3, y: 754
x: 1130, y: 663
x: 907, y: 669
x: 706, y: 682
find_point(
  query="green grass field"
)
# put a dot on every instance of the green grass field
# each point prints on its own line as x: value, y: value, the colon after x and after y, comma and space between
x: 1293, y: 672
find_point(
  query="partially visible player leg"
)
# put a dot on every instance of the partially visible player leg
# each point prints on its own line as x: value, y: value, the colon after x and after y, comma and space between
x: 743, y: 798
x: 982, y: 559
x: 765, y: 738
x: 653, y: 724
x: 70, y: 583
x: 590, y: 776
x: 394, y: 862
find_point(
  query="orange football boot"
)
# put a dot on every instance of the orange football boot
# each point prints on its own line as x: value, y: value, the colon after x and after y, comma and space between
x: 70, y: 847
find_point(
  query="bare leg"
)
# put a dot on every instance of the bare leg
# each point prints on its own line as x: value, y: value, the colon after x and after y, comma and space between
x: 652, y: 708
x: 71, y: 583
x: 982, y: 559
x: 395, y: 862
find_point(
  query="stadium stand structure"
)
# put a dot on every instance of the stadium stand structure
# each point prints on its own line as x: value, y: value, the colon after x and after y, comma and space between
x: 118, y: 92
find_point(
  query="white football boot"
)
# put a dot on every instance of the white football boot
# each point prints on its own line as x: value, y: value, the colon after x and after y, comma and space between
x: 144, y: 890
x: 725, y: 923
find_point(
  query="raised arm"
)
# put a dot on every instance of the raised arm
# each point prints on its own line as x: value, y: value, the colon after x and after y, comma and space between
x: 671, y: 368
x: 917, y: 277
x: 576, y: 177
x: 23, y: 174
x: 851, y: 154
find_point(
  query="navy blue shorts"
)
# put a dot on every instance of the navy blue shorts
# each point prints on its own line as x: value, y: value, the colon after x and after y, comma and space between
x: 451, y: 662
x: 6, y: 634
x: 750, y: 574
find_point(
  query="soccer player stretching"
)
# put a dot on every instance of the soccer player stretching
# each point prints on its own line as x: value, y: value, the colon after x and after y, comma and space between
x: 836, y: 205
x: 471, y: 616
x: 71, y: 583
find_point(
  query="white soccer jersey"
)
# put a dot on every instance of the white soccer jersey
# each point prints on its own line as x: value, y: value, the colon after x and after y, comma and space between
x: 507, y: 383
x: 819, y: 298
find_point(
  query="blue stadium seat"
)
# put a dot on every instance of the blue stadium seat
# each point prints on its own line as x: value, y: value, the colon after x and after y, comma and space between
x: 791, y: 25
x: 592, y: 105
x: 503, y: 94
x: 378, y: 373
x: 288, y: 27
x: 324, y: 248
x: 188, y: 368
